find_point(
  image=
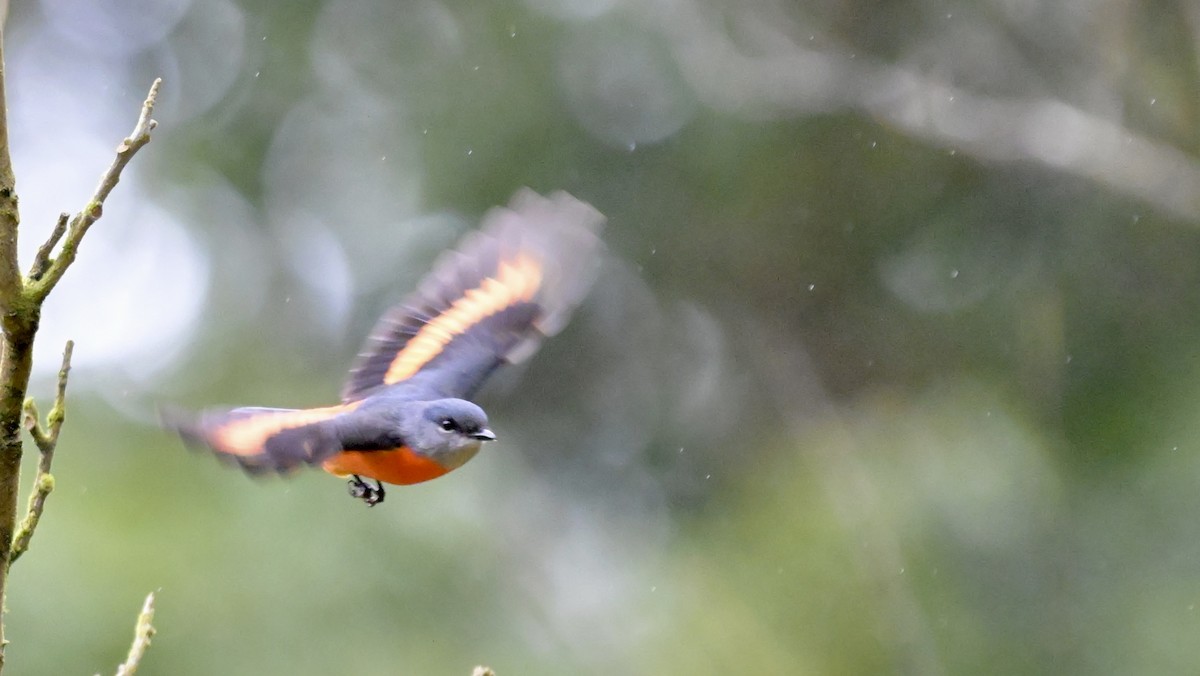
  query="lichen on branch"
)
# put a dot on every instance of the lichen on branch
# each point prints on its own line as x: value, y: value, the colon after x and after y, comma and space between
x: 46, y: 439
x: 142, y: 633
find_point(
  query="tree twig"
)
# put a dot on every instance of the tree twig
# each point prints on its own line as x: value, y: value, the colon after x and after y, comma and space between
x: 142, y: 633
x: 41, y: 260
x: 78, y: 227
x: 46, y: 439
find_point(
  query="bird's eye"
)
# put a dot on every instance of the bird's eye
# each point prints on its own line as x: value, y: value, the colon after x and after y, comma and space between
x: 448, y: 425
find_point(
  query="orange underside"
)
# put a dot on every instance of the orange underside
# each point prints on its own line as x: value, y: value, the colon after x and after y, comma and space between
x: 397, y: 466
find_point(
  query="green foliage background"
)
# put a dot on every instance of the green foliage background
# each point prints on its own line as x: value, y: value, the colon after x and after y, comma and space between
x: 865, y: 387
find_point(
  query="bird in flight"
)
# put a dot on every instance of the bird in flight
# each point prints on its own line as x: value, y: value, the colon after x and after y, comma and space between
x: 405, y: 415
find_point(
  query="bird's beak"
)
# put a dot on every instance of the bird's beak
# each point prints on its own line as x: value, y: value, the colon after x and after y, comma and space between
x: 484, y: 435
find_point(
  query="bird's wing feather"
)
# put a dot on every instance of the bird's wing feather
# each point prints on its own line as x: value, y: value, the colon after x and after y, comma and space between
x: 263, y: 440
x: 491, y: 301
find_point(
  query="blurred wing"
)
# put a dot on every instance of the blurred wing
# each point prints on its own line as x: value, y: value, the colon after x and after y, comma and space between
x: 510, y: 284
x: 263, y: 439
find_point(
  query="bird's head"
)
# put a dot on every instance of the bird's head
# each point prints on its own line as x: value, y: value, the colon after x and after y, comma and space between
x: 450, y: 431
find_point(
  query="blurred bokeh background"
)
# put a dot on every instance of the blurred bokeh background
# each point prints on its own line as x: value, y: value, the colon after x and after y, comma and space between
x: 893, y: 366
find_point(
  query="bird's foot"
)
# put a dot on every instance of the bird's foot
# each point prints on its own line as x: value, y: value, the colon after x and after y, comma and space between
x: 372, y: 495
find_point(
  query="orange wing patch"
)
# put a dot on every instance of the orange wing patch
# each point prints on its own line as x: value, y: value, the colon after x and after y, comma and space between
x: 246, y: 437
x: 514, y: 282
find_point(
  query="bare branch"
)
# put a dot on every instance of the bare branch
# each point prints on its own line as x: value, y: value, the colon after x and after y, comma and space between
x: 10, y: 218
x: 41, y: 261
x: 91, y: 213
x: 46, y: 439
x: 142, y: 634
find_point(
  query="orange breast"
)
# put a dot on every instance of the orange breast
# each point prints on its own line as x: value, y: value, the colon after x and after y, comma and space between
x: 397, y: 466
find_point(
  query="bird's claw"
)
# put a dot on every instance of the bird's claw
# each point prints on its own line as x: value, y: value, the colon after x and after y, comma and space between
x: 372, y: 495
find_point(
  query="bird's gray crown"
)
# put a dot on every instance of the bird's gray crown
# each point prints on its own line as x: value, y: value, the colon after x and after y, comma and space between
x: 456, y: 415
